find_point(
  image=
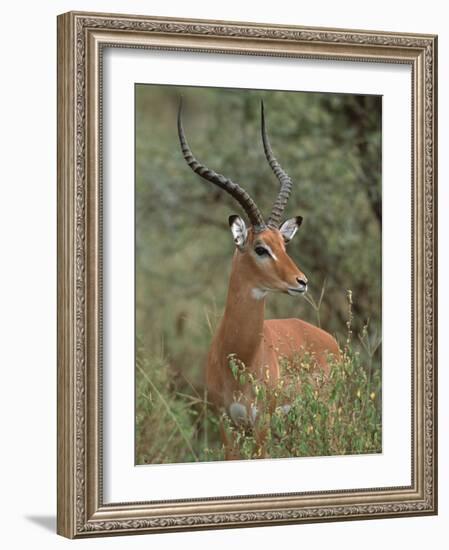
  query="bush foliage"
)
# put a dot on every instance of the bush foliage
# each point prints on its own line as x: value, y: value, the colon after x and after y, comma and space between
x: 306, y: 413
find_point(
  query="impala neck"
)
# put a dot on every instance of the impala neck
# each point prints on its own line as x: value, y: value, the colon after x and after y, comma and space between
x: 242, y: 324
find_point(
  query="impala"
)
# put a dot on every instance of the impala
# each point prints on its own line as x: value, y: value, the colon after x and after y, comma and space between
x: 260, y: 265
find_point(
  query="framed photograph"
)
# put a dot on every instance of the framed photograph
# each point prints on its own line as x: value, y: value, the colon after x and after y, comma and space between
x: 246, y: 274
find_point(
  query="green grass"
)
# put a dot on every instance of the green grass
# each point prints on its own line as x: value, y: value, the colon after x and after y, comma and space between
x: 335, y: 415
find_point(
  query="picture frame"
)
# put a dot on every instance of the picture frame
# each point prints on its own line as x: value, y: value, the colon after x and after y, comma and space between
x: 83, y: 39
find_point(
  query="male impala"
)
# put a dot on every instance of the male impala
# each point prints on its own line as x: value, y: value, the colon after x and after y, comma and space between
x: 260, y: 265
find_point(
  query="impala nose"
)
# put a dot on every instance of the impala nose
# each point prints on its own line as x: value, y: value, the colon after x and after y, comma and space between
x: 302, y: 281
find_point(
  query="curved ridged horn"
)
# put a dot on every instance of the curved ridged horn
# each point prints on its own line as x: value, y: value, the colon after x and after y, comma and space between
x: 234, y: 189
x: 284, y: 179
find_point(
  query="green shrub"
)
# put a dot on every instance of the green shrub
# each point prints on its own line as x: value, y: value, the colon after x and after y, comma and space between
x: 335, y: 415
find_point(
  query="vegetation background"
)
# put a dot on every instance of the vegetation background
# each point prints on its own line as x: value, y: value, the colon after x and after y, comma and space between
x: 330, y: 144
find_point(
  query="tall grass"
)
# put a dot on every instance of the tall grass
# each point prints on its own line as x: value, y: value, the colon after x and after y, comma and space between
x: 174, y: 422
x: 304, y: 414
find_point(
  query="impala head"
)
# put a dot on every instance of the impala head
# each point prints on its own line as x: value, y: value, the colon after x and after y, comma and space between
x: 263, y: 257
x: 261, y: 246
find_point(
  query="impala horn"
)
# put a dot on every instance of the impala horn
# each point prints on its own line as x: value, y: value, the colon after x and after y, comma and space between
x: 284, y: 179
x: 234, y: 189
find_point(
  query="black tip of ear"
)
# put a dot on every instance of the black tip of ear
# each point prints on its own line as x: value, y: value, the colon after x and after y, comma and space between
x: 299, y: 220
x: 232, y: 219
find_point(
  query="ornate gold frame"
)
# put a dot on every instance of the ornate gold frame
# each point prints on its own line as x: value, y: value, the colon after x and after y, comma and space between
x: 81, y: 38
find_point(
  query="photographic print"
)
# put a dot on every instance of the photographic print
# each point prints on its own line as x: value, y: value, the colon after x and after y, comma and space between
x: 258, y: 274
x: 246, y: 274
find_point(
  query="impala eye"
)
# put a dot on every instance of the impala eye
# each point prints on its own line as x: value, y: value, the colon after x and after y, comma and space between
x: 261, y: 251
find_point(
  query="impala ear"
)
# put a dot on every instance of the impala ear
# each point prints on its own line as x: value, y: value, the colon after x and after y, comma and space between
x: 239, y: 231
x: 290, y: 227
